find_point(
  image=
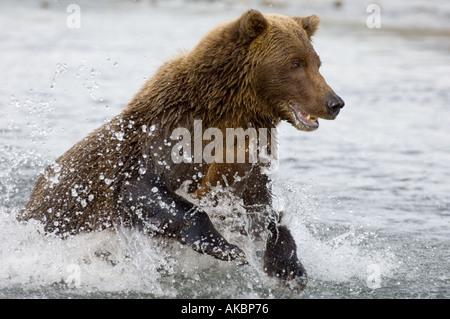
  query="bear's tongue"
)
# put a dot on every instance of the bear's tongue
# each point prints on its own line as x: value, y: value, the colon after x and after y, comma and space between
x: 303, y: 117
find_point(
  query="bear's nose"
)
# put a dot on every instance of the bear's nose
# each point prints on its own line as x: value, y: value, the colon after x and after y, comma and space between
x: 334, y: 104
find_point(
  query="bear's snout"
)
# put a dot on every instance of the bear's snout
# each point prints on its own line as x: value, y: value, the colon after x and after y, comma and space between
x: 334, y: 104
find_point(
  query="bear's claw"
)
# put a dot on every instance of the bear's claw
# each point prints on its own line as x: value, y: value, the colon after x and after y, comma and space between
x: 295, y: 283
x: 201, y: 235
x: 225, y: 251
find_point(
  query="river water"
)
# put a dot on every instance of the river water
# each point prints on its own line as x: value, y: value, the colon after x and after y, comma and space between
x: 367, y: 196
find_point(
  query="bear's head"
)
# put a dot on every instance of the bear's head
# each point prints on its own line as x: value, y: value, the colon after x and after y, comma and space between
x: 286, y: 78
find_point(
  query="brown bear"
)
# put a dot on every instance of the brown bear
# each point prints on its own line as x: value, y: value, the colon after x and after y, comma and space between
x: 249, y: 73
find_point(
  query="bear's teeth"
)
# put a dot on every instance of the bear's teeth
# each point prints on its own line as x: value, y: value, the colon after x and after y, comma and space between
x: 311, y: 118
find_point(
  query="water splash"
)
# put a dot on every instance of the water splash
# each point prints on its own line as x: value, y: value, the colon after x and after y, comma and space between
x: 127, y: 263
x: 60, y: 68
x: 339, y: 255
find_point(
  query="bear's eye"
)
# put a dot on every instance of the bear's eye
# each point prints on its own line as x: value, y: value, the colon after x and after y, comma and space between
x: 296, y: 65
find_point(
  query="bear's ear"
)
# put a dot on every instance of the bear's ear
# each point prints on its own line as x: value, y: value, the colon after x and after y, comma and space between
x: 252, y: 23
x: 309, y: 24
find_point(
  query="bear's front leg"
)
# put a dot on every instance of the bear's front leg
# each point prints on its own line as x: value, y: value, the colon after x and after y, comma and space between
x: 148, y: 205
x: 280, y: 256
x: 280, y: 259
x: 199, y: 233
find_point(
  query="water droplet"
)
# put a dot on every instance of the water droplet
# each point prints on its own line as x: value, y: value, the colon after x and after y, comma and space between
x: 119, y: 136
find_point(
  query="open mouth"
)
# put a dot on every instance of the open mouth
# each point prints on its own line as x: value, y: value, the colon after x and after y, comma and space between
x: 302, y: 117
